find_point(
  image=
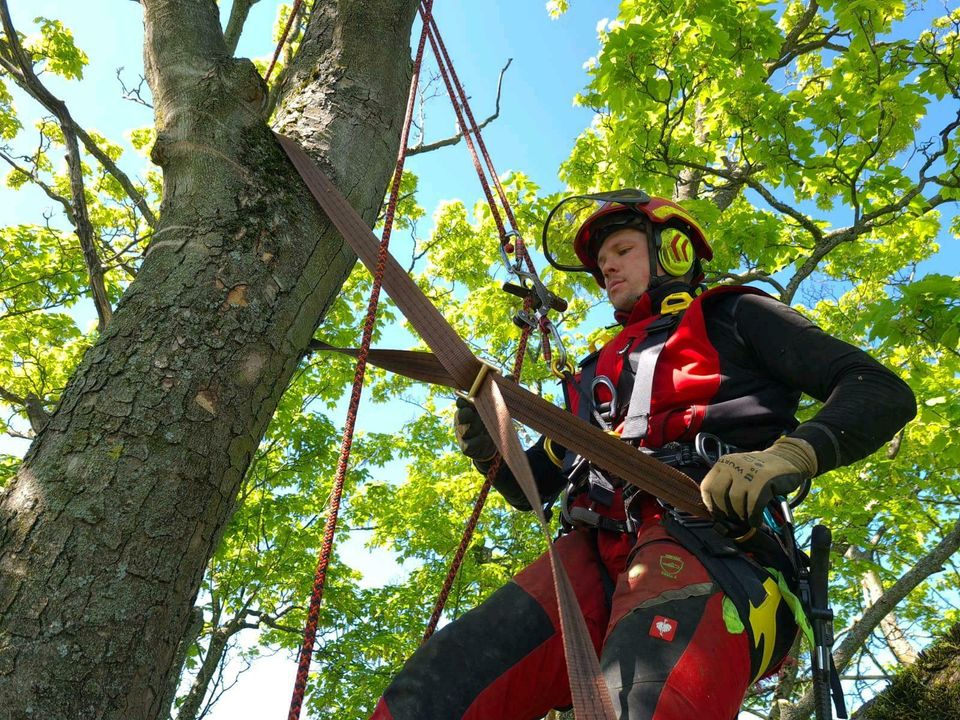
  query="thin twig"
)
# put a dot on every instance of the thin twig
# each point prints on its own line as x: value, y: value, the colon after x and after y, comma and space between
x: 454, y: 139
x: 35, y: 179
x: 133, y: 94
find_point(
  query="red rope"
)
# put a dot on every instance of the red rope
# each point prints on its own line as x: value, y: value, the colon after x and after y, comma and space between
x: 469, y: 127
x: 478, y: 504
x: 310, y: 632
x: 283, y: 38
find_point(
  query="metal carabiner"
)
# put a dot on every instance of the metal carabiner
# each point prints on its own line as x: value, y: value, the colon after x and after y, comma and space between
x: 560, y: 362
x: 603, y: 380
x: 709, y: 447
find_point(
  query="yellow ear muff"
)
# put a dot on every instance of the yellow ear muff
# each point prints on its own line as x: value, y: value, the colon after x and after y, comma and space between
x: 676, y: 254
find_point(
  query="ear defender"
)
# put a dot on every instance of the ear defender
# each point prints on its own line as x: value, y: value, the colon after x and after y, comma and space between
x: 676, y: 253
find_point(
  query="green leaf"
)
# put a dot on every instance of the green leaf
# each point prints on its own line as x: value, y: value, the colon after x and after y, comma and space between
x: 56, y: 49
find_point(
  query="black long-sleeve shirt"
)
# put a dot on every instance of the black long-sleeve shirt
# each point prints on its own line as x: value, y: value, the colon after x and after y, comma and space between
x: 767, y: 349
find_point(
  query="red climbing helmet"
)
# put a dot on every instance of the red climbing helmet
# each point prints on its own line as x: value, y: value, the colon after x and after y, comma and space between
x: 577, y: 226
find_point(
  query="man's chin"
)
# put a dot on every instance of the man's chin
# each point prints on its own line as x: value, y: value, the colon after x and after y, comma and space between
x: 625, y: 304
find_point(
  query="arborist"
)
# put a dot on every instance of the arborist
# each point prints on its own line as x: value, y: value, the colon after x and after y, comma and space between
x: 685, y: 614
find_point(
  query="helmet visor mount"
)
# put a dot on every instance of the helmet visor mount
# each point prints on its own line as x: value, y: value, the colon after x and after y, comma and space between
x: 566, y: 220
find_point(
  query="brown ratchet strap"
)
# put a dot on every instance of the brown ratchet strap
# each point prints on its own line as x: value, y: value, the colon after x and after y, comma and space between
x: 666, y: 482
x: 497, y: 399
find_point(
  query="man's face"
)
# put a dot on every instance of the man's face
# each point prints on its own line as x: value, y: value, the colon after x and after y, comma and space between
x: 624, y: 262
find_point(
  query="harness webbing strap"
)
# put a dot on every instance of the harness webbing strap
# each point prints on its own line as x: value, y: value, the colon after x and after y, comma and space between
x: 637, y: 422
x: 590, y: 697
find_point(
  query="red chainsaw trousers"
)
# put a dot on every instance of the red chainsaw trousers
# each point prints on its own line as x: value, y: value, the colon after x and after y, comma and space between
x: 665, y: 649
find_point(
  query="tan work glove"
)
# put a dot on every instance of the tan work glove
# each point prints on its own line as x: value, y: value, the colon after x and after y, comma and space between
x: 740, y: 485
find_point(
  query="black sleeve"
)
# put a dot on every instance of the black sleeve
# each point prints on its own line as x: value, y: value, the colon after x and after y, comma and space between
x: 864, y: 403
x: 548, y: 475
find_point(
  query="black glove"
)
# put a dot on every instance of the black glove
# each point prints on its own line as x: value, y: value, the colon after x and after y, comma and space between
x: 472, y: 437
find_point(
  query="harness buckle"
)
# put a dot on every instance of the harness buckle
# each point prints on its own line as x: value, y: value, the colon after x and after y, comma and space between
x: 485, y: 368
x: 580, y: 516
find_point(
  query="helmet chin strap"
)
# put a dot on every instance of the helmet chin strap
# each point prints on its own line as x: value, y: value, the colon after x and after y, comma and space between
x: 656, y: 281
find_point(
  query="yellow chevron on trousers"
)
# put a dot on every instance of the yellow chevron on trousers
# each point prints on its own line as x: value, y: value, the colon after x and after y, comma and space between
x: 763, y: 623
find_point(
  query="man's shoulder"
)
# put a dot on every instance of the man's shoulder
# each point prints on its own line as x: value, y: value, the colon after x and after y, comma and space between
x: 729, y: 299
x: 729, y: 293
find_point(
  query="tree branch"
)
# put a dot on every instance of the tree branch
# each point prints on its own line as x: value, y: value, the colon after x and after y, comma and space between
x: 216, y: 651
x: 790, y: 41
x: 821, y: 42
x: 37, y: 415
x: 121, y: 177
x: 872, y: 588
x: 826, y: 243
x: 453, y: 140
x: 238, y: 17
x: 29, y: 81
x: 750, y: 276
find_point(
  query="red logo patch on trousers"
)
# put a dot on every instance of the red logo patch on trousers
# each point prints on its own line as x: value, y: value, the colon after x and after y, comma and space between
x: 663, y: 627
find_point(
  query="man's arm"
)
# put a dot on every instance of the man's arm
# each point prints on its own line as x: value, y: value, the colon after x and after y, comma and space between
x: 864, y: 403
x: 475, y: 442
x: 550, y: 479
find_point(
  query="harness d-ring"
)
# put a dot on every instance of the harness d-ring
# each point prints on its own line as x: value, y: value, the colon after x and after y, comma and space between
x: 604, y: 381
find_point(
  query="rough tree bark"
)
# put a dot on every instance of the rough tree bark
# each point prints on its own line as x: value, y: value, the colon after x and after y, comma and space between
x: 107, y: 528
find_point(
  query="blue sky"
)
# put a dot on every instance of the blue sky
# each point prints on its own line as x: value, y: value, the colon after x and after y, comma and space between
x: 535, y: 130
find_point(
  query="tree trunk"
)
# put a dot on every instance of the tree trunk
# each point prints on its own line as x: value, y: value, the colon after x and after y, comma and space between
x: 107, y: 528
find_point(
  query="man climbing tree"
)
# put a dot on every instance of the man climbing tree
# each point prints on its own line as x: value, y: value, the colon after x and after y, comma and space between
x: 684, y: 616
x: 136, y: 462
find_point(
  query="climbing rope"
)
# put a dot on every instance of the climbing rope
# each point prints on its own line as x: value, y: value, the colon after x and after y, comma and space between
x: 283, y: 37
x: 316, y: 596
x: 470, y: 131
